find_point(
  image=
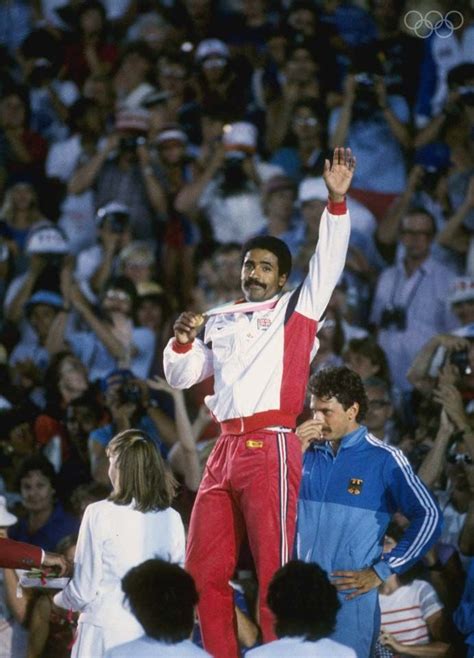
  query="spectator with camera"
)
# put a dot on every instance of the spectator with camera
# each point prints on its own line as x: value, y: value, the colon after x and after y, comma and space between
x: 130, y: 405
x: 409, y: 304
x: 122, y: 171
x: 46, y: 248
x: 370, y: 115
x: 456, y: 347
x: 101, y: 260
x: 426, y: 188
x: 448, y: 470
x: 228, y: 191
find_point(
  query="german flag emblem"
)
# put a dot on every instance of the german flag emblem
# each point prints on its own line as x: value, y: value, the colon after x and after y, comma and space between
x: 355, y: 486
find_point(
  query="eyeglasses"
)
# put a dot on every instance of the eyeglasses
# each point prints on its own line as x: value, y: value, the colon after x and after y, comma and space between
x: 458, y: 458
x: 305, y: 121
x: 378, y: 404
x: 118, y: 295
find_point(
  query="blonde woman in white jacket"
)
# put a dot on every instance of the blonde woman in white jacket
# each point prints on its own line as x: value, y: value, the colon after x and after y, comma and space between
x: 134, y: 524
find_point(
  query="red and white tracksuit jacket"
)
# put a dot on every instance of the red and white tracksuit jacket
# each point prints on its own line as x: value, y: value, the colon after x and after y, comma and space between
x: 250, y: 487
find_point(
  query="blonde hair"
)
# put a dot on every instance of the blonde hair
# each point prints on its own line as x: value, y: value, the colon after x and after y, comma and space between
x: 143, y: 475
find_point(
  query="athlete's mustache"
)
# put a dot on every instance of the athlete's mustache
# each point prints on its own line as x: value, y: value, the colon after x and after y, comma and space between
x: 252, y: 282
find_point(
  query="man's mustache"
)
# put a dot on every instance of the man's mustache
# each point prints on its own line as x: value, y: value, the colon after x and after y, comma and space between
x: 252, y: 282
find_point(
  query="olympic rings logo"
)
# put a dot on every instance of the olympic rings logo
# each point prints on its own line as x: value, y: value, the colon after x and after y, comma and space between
x: 433, y: 21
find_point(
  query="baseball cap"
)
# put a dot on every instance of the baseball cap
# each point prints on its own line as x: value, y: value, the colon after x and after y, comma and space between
x: 171, y: 134
x: 461, y: 290
x: 240, y: 138
x: 47, y: 297
x: 47, y: 239
x: 111, y: 208
x: 312, y: 188
x: 138, y: 119
x: 210, y: 47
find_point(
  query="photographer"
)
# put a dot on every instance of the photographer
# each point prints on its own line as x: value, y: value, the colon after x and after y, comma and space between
x: 455, y: 347
x: 409, y: 305
x: 128, y: 401
x: 123, y: 171
x: 370, y: 116
x: 97, y: 263
x: 46, y: 247
x: 228, y: 189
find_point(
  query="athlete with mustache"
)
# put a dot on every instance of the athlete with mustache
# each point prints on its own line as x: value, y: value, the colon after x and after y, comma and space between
x: 259, y: 351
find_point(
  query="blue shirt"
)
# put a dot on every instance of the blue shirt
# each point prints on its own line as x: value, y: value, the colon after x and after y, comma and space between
x: 105, y: 434
x: 98, y: 360
x: 59, y: 525
x: 380, y: 159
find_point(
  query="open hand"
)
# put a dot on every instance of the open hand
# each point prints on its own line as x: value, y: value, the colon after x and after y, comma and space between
x: 361, y: 581
x: 338, y: 173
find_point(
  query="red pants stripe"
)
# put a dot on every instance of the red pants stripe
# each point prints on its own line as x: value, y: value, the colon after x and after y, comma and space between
x: 250, y: 487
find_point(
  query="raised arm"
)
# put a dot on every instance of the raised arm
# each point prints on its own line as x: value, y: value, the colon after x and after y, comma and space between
x: 327, y: 263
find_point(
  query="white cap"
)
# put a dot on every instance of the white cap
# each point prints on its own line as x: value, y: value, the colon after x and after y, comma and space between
x: 136, y: 119
x: 210, y: 47
x: 46, y: 238
x: 111, y: 208
x: 312, y: 188
x: 461, y: 290
x: 241, y: 137
x: 6, y: 519
x: 171, y: 135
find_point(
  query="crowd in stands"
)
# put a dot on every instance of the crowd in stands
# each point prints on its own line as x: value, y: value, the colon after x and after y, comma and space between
x: 141, y: 144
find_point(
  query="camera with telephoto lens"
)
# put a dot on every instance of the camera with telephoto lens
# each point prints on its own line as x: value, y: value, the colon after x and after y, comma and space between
x: 394, y: 316
x: 130, y: 143
x: 460, y: 359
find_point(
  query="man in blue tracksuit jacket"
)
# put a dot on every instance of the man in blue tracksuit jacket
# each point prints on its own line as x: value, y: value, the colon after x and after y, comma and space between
x: 352, y: 485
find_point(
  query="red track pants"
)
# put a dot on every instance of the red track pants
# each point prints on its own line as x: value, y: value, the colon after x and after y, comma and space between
x: 250, y: 486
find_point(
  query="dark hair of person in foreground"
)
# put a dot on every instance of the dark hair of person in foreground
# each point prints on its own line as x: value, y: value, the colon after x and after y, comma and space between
x: 162, y: 597
x: 303, y: 601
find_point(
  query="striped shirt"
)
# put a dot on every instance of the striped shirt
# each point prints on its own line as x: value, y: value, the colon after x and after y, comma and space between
x: 405, y: 611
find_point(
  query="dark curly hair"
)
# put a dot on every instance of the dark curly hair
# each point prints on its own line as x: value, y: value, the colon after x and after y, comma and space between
x: 276, y: 246
x: 343, y: 384
x: 303, y: 601
x: 162, y: 597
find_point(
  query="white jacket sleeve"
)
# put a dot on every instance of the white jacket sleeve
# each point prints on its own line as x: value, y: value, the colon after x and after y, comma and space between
x: 83, y: 588
x: 185, y: 365
x: 326, y: 264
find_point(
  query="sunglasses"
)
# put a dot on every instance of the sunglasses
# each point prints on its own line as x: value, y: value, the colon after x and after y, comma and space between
x: 460, y: 457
